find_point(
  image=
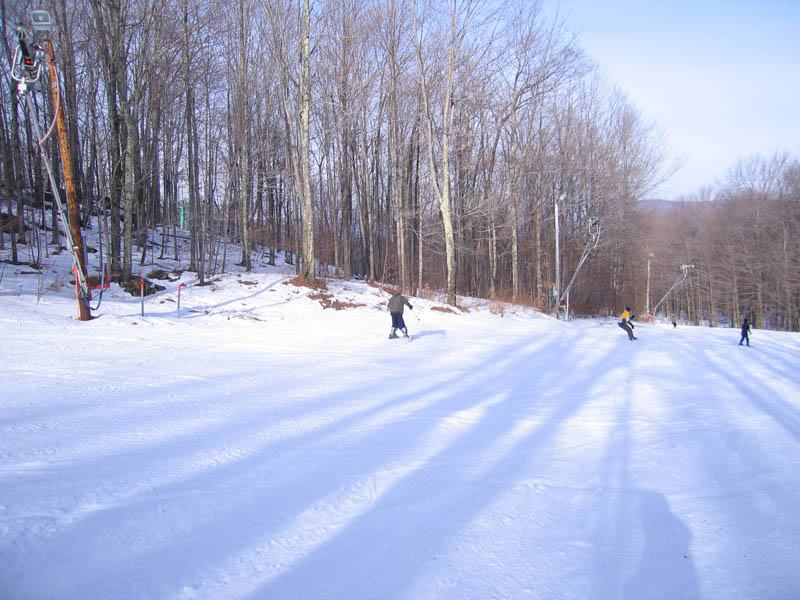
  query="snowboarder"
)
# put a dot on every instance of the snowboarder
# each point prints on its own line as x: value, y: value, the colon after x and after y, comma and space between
x: 745, y: 333
x: 396, y: 304
x: 626, y: 323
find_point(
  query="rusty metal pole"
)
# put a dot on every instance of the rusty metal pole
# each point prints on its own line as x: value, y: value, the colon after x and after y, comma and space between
x: 69, y: 177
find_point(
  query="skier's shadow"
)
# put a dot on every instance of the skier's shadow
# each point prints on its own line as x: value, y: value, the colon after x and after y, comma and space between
x: 430, y: 332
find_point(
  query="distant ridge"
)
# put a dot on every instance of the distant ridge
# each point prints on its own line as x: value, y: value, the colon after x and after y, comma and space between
x: 658, y: 204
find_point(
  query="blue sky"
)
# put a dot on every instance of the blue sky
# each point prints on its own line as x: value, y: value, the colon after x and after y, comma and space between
x: 720, y: 78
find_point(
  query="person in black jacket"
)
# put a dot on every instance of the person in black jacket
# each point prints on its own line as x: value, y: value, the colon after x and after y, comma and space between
x: 745, y: 333
x: 396, y: 304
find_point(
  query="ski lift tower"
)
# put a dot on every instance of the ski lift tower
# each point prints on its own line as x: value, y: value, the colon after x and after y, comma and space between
x: 685, y: 270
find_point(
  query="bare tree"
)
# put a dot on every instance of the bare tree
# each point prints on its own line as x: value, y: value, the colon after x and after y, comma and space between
x: 431, y: 40
x: 296, y: 102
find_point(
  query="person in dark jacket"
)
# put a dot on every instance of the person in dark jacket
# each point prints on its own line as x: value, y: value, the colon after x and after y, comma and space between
x: 625, y: 322
x: 745, y: 333
x: 396, y: 304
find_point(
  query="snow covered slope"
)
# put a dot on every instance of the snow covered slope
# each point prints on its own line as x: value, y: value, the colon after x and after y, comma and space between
x: 262, y: 446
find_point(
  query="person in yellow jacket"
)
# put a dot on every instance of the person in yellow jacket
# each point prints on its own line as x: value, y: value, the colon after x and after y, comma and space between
x: 626, y: 322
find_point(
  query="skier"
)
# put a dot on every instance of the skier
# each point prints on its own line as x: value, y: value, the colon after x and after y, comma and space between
x: 674, y: 322
x: 396, y: 303
x: 626, y: 323
x: 745, y: 333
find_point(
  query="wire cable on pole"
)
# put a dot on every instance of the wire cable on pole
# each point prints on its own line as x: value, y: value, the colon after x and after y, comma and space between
x: 26, y: 71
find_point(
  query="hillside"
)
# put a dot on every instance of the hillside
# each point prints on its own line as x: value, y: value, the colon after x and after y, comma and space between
x: 257, y: 444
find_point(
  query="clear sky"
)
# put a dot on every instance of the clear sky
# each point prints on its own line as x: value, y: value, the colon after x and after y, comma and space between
x: 720, y: 77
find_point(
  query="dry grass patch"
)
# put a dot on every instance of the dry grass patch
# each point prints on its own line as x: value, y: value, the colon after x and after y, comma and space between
x: 328, y: 301
x: 246, y: 317
x: 316, y: 284
x: 383, y: 288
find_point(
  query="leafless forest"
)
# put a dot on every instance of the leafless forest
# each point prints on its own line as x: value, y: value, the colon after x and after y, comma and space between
x: 437, y: 145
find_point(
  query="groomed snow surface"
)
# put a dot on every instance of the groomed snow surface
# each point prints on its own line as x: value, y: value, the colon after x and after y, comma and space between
x: 260, y: 446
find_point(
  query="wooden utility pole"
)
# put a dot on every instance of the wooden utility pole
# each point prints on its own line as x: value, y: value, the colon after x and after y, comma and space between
x: 69, y: 181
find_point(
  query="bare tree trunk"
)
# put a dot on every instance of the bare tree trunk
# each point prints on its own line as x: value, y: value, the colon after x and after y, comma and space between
x: 306, y: 200
x: 243, y: 101
x: 129, y: 192
x: 514, y: 249
x: 191, y: 149
x: 346, y: 184
x: 492, y: 257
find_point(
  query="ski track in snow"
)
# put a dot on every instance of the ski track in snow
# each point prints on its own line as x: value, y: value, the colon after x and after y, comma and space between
x: 262, y: 447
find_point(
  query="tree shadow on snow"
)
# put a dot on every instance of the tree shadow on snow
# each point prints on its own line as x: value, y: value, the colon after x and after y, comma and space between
x: 631, y: 521
x: 388, y: 487
x: 389, y: 549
